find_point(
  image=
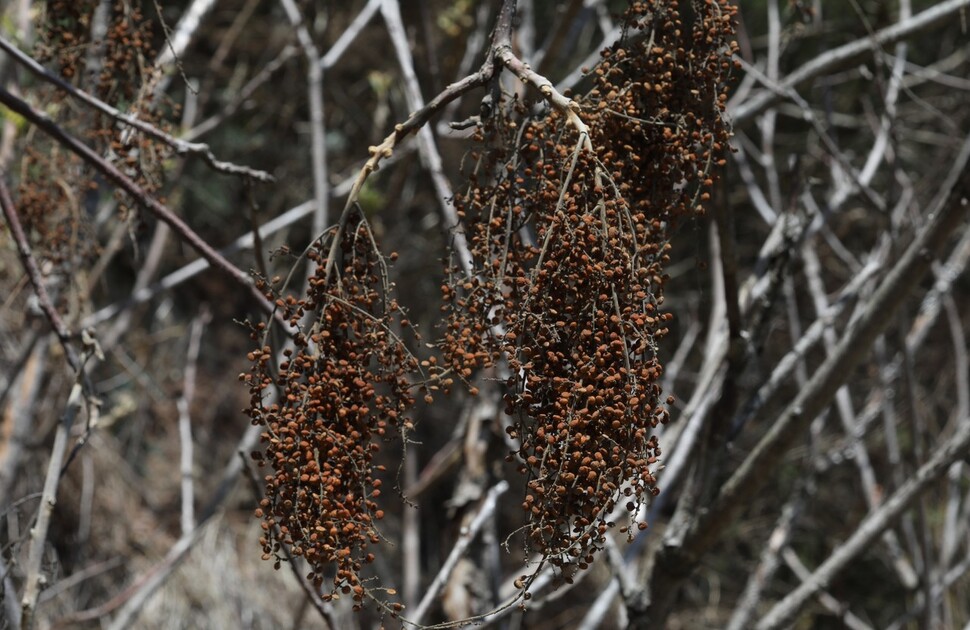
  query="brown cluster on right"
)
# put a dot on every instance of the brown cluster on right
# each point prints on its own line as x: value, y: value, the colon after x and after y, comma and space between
x: 569, y: 235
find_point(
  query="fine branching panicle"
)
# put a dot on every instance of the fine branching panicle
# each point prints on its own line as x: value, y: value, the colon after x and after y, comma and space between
x: 567, y: 212
x: 569, y: 225
x: 346, y: 381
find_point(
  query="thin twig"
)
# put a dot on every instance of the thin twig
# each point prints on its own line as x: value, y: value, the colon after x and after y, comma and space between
x: 184, y: 403
x: 595, y: 614
x: 181, y: 37
x: 870, y: 529
x: 473, y: 47
x: 144, y: 199
x: 349, y: 34
x: 10, y: 607
x: 318, y: 140
x: 952, y: 529
x: 33, y: 273
x: 468, y: 534
x: 426, y: 143
x: 243, y: 95
x: 146, y: 271
x: 79, y: 577
x: 755, y: 195
x: 180, y: 146
x: 766, y: 122
x: 410, y: 534
x: 768, y: 565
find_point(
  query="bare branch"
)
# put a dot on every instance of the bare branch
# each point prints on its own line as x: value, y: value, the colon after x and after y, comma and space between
x: 468, y: 534
x: 244, y: 94
x: 33, y: 273
x: 848, y: 53
x: 349, y: 34
x: 318, y: 141
x: 768, y: 565
x: 835, y: 606
x: 426, y: 144
x: 38, y: 539
x: 871, y: 528
x: 185, y: 419
x: 180, y: 146
x: 151, y: 204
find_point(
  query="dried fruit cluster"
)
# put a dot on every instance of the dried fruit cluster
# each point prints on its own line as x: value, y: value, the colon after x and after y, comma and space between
x: 55, y: 186
x: 119, y: 64
x: 570, y: 235
x: 65, y: 34
x: 567, y: 215
x: 342, y: 386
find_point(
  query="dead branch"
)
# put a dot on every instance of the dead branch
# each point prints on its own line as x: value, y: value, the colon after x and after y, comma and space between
x: 145, y: 200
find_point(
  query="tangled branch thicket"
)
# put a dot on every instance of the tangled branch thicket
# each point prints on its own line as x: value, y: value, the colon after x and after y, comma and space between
x: 568, y: 213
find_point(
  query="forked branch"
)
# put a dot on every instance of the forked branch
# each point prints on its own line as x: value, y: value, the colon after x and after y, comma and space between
x: 674, y: 561
x: 142, y: 197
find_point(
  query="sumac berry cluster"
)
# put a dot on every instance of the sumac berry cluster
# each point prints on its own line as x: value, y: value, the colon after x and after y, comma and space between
x: 55, y: 185
x: 569, y: 233
x: 341, y: 388
x: 567, y: 214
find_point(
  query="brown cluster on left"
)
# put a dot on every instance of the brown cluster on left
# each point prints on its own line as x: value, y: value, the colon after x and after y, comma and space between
x: 57, y: 192
x: 341, y: 388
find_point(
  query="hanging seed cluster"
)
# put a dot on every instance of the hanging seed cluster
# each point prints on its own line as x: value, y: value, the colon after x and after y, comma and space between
x: 55, y: 187
x: 117, y: 67
x: 342, y: 387
x: 65, y: 35
x: 570, y: 239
